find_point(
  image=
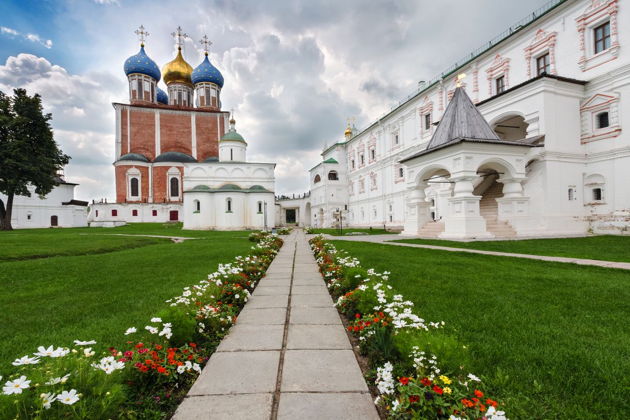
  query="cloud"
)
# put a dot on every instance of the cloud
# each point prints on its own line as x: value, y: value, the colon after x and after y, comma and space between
x: 47, y: 43
x: 83, y: 120
x: 116, y: 2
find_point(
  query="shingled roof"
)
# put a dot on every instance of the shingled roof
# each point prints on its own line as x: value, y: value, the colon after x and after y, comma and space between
x: 461, y: 120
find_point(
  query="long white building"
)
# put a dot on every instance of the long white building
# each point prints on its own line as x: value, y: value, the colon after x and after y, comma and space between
x: 554, y: 159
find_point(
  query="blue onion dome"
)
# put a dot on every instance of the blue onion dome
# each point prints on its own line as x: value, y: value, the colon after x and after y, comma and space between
x: 141, y: 63
x: 162, y: 97
x: 206, y: 72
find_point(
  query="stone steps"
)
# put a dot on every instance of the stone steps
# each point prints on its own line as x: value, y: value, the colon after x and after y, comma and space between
x: 489, y: 210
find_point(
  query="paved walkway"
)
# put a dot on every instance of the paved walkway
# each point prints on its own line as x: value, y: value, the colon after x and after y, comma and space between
x: 287, y: 357
x: 384, y: 239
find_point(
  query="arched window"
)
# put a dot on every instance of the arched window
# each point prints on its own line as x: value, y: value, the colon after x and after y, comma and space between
x: 228, y: 205
x: 317, y: 179
x: 260, y: 207
x: 174, y: 183
x: 197, y: 206
x: 332, y: 176
x: 134, y: 186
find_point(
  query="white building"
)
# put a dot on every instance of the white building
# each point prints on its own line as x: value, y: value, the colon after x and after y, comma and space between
x: 57, y: 209
x: 555, y: 162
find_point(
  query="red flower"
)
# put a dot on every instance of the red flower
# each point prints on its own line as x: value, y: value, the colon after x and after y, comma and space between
x: 491, y: 402
x: 437, y: 389
x: 161, y: 369
x: 478, y: 393
x: 158, y: 347
x: 425, y: 381
x: 128, y: 354
x: 404, y: 380
x: 467, y: 403
x: 139, y: 345
x: 357, y: 316
x: 414, y: 398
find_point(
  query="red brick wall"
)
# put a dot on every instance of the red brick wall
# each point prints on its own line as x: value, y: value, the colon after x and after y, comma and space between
x: 207, y: 143
x: 160, y: 183
x: 143, y: 132
x: 123, y: 132
x: 121, y: 183
x: 175, y: 133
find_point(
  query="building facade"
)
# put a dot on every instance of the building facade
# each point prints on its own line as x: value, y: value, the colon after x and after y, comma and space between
x: 552, y: 90
x: 175, y: 142
x: 57, y: 209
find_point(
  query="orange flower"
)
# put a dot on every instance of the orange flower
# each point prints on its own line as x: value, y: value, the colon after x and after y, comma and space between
x: 491, y: 402
x: 467, y: 403
x: 404, y: 380
x: 478, y: 393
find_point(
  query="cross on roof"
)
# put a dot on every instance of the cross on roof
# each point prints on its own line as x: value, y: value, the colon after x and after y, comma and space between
x: 179, y: 36
x: 142, y: 34
x: 206, y: 44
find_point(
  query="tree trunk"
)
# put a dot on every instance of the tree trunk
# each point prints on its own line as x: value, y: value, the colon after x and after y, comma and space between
x: 5, y: 213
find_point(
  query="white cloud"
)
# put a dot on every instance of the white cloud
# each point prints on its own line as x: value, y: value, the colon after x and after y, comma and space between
x: 47, y: 43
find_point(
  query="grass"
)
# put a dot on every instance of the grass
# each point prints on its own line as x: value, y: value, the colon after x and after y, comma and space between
x: 551, y: 339
x: 100, y: 286
x: 367, y: 231
x: 606, y: 247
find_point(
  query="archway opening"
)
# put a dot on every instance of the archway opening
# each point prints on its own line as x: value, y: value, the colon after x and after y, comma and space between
x: 511, y: 128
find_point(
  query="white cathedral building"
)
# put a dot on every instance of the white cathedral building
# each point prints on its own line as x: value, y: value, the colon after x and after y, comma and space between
x: 532, y: 142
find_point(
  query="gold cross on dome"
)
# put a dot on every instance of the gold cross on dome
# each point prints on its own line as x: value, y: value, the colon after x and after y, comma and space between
x: 460, y: 79
x: 179, y: 36
x: 206, y: 44
x: 142, y: 34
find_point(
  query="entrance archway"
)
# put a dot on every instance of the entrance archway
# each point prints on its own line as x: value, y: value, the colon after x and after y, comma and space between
x: 290, y: 215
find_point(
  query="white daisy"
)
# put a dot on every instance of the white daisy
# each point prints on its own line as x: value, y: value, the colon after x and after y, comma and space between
x: 131, y: 330
x: 25, y: 361
x: 16, y: 386
x: 68, y: 398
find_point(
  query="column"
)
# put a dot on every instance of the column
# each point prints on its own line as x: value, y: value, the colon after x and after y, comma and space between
x: 513, y: 206
x: 464, y: 220
x: 418, y: 210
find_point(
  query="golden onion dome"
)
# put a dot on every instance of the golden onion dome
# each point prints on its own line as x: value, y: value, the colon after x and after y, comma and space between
x: 177, y: 71
x: 348, y: 132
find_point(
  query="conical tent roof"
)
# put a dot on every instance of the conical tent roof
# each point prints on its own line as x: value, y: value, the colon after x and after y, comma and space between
x: 461, y: 120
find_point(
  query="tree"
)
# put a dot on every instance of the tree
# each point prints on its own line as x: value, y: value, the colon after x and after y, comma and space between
x: 29, y: 155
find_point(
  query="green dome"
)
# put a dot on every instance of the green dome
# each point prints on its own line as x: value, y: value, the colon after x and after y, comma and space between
x: 201, y: 188
x: 232, y: 136
x: 230, y: 187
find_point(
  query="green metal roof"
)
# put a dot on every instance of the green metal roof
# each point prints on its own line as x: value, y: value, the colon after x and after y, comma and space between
x: 330, y: 160
x: 233, y: 136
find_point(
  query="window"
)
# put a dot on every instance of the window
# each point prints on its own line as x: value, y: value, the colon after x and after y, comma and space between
x: 401, y: 172
x: 571, y: 193
x: 602, y: 120
x: 231, y: 154
x: 373, y: 154
x: 153, y: 92
x: 601, y: 36
x: 28, y: 216
x: 332, y: 176
x: 396, y: 139
x: 134, y: 187
x: 352, y: 163
x: 543, y: 66
x: 96, y: 214
x: 362, y: 159
x: 174, y: 183
x: 134, y: 212
x: 597, y: 194
x: 500, y: 84
x: 140, y: 94
x: 317, y: 179
x: 154, y: 213
x: 114, y: 213
x: 427, y: 121
x: 197, y: 206
x: 228, y: 206
x: 260, y: 207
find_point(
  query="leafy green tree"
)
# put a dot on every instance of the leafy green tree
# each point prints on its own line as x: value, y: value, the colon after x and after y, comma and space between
x: 29, y: 154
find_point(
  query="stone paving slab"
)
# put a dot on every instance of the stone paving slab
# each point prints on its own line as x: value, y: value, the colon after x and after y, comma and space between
x: 310, y: 290
x: 243, y: 337
x: 319, y: 337
x: 311, y: 300
x: 226, y: 407
x: 317, y: 406
x: 275, y: 301
x: 298, y: 281
x: 321, y: 371
x: 262, y: 316
x: 244, y: 372
x: 314, y: 316
x: 265, y: 290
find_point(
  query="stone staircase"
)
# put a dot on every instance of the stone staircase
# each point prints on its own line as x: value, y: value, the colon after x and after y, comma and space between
x: 489, y: 210
x: 431, y: 229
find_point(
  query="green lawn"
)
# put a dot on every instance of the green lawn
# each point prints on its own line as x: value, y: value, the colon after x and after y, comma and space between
x: 551, y: 338
x: 97, y: 296
x: 606, y: 247
x: 335, y: 232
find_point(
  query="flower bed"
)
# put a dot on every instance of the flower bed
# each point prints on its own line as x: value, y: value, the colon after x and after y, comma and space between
x: 153, y: 372
x: 417, y: 369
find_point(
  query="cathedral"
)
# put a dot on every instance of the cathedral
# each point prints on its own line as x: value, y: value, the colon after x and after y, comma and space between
x: 178, y: 156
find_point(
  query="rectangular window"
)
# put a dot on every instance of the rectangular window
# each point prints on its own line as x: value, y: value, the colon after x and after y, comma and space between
x: 260, y: 207
x: 134, y: 212
x: 427, y: 121
x: 500, y: 84
x: 362, y: 158
x: 139, y: 89
x: 373, y: 154
x: 542, y: 65
x: 114, y: 213
x: 154, y: 213
x: 601, y: 36
x: 597, y: 194
x: 602, y: 120
x: 396, y: 139
x: 401, y: 172
x: 571, y: 194
x: 352, y: 163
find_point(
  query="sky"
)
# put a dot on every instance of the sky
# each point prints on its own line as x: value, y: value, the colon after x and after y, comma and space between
x: 294, y: 71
